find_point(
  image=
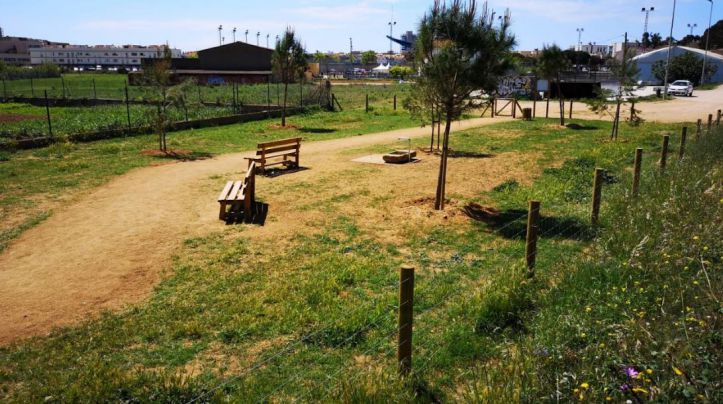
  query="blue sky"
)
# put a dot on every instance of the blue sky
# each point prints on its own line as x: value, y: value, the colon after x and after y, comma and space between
x: 327, y: 25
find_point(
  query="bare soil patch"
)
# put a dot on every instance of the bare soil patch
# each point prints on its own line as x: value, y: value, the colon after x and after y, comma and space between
x: 14, y: 118
x: 110, y: 247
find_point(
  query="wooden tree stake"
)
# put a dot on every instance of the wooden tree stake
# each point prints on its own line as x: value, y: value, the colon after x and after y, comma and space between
x: 636, y: 171
x: 533, y: 227
x: 406, y: 318
x: 596, y: 196
x: 664, y: 153
x: 683, y: 138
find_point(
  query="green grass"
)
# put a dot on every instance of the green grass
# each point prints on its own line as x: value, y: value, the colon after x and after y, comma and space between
x: 112, y: 86
x: 708, y: 86
x: 246, y: 321
x: 73, y: 120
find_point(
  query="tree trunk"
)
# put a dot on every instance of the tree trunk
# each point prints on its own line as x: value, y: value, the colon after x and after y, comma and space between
x: 283, y: 109
x: 442, y: 178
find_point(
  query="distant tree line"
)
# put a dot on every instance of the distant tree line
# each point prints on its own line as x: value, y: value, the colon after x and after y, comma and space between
x: 45, y: 70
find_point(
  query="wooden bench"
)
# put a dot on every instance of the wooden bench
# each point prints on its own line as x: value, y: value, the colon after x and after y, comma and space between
x: 277, y: 152
x: 239, y: 195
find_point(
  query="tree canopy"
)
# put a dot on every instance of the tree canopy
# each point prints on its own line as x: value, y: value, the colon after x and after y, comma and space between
x: 289, y: 63
x: 687, y: 66
x: 369, y: 57
x: 460, y: 50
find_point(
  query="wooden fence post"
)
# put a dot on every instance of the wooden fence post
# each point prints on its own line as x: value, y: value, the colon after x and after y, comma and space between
x: 534, y: 107
x: 683, y: 138
x: 514, y: 109
x: 699, y: 129
x: 406, y: 318
x: 533, y: 227
x: 710, y: 122
x: 47, y: 113
x: 395, y: 102
x: 636, y: 170
x: 717, y: 121
x: 366, y: 103
x: 632, y: 111
x: 571, y: 103
x: 596, y: 196
x: 664, y: 153
x: 547, y: 108
x: 128, y: 109
x: 493, y: 105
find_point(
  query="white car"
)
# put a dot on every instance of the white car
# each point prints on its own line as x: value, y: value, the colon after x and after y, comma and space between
x: 681, y: 87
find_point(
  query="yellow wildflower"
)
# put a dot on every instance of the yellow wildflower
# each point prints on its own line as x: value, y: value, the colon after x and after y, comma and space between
x: 640, y: 390
x: 696, y: 238
x: 585, y: 385
x: 649, y: 371
x: 588, y: 309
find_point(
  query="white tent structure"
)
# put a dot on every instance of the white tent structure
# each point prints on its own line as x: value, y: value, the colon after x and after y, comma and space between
x: 646, y: 60
x: 382, y: 68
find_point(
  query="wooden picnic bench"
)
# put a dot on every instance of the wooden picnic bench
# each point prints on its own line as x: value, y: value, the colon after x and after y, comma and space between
x: 277, y: 152
x: 238, y: 195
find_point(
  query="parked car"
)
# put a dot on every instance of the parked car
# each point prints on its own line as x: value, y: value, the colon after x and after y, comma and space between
x: 681, y: 87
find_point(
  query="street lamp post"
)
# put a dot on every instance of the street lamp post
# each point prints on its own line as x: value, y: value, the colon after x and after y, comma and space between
x: 234, y: 34
x: 258, y: 35
x: 707, y: 43
x: 670, y: 46
x: 220, y: 37
x: 267, y: 40
x: 579, y: 38
x: 692, y: 26
x: 647, y: 12
x: 391, y: 35
x: 247, y: 36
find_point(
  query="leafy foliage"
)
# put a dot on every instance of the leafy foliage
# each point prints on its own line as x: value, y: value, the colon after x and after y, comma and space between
x: 289, y: 63
x: 687, y: 66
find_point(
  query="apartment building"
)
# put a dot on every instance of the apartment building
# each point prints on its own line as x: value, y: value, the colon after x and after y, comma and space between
x: 99, y: 56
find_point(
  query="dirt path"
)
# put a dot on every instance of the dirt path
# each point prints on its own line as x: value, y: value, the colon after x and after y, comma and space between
x: 681, y: 109
x: 112, y: 247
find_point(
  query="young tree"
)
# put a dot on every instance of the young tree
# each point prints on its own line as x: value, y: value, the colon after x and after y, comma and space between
x: 460, y: 50
x: 157, y: 77
x: 550, y: 65
x: 289, y: 62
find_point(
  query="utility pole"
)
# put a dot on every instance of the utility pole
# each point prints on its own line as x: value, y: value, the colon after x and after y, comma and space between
x: 247, y: 36
x: 258, y: 35
x: 670, y: 46
x: 220, y: 37
x: 707, y: 43
x: 234, y: 34
x: 267, y: 40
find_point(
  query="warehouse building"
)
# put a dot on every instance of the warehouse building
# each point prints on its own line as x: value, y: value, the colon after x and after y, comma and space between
x: 646, y: 61
x: 236, y: 62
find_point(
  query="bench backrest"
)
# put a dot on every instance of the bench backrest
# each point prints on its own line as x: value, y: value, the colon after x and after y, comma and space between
x: 278, y: 146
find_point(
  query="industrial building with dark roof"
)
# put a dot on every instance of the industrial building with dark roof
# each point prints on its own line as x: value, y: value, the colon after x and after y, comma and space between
x: 237, y: 62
